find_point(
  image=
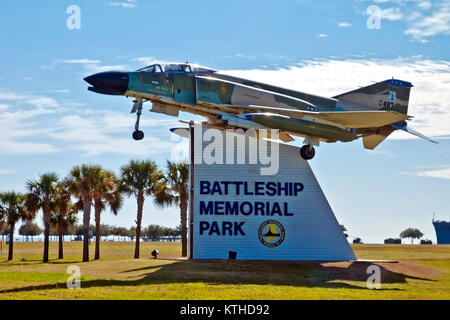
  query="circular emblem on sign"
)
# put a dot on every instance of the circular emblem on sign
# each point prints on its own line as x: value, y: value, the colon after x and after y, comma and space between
x: 271, y: 233
x: 223, y: 88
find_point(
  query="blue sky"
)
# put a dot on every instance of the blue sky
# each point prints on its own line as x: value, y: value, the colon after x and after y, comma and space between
x: 50, y: 122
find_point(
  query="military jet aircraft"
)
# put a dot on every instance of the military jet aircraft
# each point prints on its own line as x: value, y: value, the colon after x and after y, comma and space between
x: 371, y: 113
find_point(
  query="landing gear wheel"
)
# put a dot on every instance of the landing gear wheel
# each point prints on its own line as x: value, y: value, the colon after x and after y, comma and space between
x: 137, y: 107
x: 307, y: 152
x: 138, y: 135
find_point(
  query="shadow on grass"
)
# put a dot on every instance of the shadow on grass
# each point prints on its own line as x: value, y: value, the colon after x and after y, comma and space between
x: 55, y: 261
x: 300, y: 274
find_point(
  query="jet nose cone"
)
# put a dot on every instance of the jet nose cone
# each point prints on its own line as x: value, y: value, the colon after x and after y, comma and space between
x: 91, y: 79
x: 111, y: 82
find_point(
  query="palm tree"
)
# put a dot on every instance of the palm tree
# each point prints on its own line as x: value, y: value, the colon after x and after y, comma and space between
x: 41, y: 195
x: 82, y: 182
x: 177, y: 193
x: 107, y: 191
x: 60, y: 217
x: 141, y: 178
x: 12, y: 209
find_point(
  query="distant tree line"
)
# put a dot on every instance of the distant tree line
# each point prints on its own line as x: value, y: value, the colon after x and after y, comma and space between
x: 151, y: 233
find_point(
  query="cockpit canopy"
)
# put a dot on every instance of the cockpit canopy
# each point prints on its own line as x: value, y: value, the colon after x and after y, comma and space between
x: 176, y: 67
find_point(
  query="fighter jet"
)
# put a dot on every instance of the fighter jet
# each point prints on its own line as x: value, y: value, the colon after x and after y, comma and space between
x: 371, y: 113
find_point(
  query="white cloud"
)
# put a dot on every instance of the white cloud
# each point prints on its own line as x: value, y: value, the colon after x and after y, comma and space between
x: 94, y: 66
x: 19, y: 131
x: 386, y: 153
x: 127, y: 146
x: 96, y: 133
x: 322, y: 35
x: 394, y: 1
x: 391, y: 14
x: 429, y: 96
x: 43, y: 102
x: 8, y: 95
x: 420, y: 21
x: 25, y: 148
x: 424, y: 5
x: 59, y: 91
x: 98, y: 68
x: 7, y: 171
x: 244, y: 56
x: 81, y: 61
x: 146, y: 61
x: 344, y: 25
x: 127, y: 5
x: 438, y: 22
x: 91, y: 131
x: 438, y: 173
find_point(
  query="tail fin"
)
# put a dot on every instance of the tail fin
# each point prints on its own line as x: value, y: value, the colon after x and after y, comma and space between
x: 391, y: 95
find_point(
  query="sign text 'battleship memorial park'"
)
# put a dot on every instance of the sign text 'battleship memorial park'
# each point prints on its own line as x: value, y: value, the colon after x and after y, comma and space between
x: 257, y: 199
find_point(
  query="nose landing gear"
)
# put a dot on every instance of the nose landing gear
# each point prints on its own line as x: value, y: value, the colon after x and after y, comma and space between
x: 307, y: 151
x: 137, y: 107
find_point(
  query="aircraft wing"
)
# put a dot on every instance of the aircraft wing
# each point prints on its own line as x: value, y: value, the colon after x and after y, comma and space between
x: 350, y: 119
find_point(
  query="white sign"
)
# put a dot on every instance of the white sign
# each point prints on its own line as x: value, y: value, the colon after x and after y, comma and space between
x: 284, y: 216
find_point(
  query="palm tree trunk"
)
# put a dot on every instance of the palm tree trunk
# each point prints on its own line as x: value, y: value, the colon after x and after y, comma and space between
x: 60, y: 240
x: 46, y: 233
x: 11, y: 241
x: 46, y: 242
x: 86, y: 220
x: 140, y: 206
x: 183, y: 218
x: 97, y: 232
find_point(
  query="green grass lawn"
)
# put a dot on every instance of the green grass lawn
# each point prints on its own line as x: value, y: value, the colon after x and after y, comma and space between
x: 423, y: 272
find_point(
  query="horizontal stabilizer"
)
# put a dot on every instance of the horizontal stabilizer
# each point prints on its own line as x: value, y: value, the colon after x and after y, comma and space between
x: 413, y: 132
